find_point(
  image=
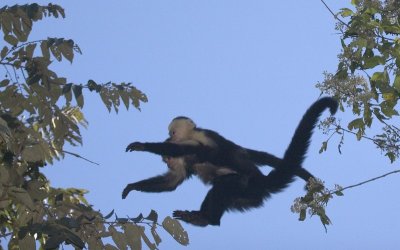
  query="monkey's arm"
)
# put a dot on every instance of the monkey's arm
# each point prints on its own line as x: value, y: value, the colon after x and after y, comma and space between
x: 264, y: 158
x: 172, y: 149
x: 162, y: 183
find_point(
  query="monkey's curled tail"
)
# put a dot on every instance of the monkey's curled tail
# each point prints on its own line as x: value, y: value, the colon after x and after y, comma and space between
x: 295, y: 153
x: 297, y: 149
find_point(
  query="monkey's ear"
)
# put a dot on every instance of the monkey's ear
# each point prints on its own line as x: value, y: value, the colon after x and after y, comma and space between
x: 135, y: 146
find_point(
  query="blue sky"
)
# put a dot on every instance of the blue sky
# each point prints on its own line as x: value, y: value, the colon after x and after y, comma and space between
x: 246, y: 69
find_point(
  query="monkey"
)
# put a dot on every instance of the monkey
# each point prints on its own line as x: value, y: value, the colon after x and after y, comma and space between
x: 179, y: 170
x: 244, y: 187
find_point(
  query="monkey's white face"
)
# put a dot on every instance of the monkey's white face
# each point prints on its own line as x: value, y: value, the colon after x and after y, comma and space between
x: 181, y: 130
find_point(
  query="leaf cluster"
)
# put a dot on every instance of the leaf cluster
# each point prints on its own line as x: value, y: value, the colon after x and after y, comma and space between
x: 315, y: 201
x: 367, y: 79
x: 39, y: 113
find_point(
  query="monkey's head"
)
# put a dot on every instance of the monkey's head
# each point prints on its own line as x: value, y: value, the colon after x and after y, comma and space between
x: 181, y: 129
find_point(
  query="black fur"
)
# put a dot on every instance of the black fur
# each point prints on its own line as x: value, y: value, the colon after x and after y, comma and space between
x: 248, y: 187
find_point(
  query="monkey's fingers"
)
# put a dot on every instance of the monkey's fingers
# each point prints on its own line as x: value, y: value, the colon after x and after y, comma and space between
x: 179, y: 214
x: 135, y: 146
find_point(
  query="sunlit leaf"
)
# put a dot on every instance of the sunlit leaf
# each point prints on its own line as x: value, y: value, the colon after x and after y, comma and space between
x: 356, y: 123
x: 175, y: 229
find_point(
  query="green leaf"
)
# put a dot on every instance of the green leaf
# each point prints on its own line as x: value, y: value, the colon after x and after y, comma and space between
x: 378, y: 115
x: 66, y: 88
x: 45, y: 50
x: 27, y: 243
x: 153, y: 216
x: 4, y: 83
x: 104, y: 94
x: 175, y: 229
x: 367, y: 114
x: 155, y: 235
x: 33, y: 153
x: 396, y: 83
x: 303, y: 214
x: 54, y: 241
x: 6, y: 22
x: 378, y: 76
x: 138, y: 219
x: 339, y: 193
x: 119, y: 238
x: 108, y: 216
x: 133, y: 236
x: 30, y: 49
x: 22, y: 196
x: 4, y: 52
x: 56, y: 52
x: 356, y: 123
x: 387, y: 108
x: 323, y: 147
x: 372, y: 62
x: 125, y: 98
x: 146, y: 240
x: 74, y: 239
x: 391, y: 156
x: 345, y: 12
x: 66, y: 51
x: 77, y: 89
x: 110, y: 247
x: 11, y: 39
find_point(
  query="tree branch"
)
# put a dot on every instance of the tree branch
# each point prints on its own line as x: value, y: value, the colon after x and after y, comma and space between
x: 364, y: 182
x: 333, y: 14
x: 78, y: 156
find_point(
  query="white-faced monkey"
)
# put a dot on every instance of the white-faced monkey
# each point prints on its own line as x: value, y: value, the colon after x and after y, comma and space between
x: 237, y: 182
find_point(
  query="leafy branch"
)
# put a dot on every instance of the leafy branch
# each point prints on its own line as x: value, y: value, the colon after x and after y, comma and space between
x: 315, y: 201
x: 39, y: 113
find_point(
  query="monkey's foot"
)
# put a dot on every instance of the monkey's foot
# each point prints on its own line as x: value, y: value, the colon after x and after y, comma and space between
x: 135, y: 146
x: 193, y: 217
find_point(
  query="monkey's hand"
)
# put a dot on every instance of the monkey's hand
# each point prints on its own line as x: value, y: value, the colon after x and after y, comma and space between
x: 193, y: 217
x: 127, y: 189
x: 135, y: 146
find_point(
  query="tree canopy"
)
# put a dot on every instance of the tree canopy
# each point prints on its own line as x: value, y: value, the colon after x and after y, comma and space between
x: 41, y: 112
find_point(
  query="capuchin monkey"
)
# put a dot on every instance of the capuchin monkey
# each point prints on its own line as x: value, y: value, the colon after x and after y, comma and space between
x: 237, y: 182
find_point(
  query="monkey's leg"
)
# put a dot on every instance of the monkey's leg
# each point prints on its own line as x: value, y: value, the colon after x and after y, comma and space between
x: 225, y: 190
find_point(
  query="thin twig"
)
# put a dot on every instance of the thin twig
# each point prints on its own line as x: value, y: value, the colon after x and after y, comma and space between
x: 78, y: 156
x: 364, y: 182
x: 333, y: 14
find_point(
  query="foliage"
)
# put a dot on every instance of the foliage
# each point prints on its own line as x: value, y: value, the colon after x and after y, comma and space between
x: 368, y: 82
x: 315, y: 201
x: 368, y: 77
x: 39, y: 113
